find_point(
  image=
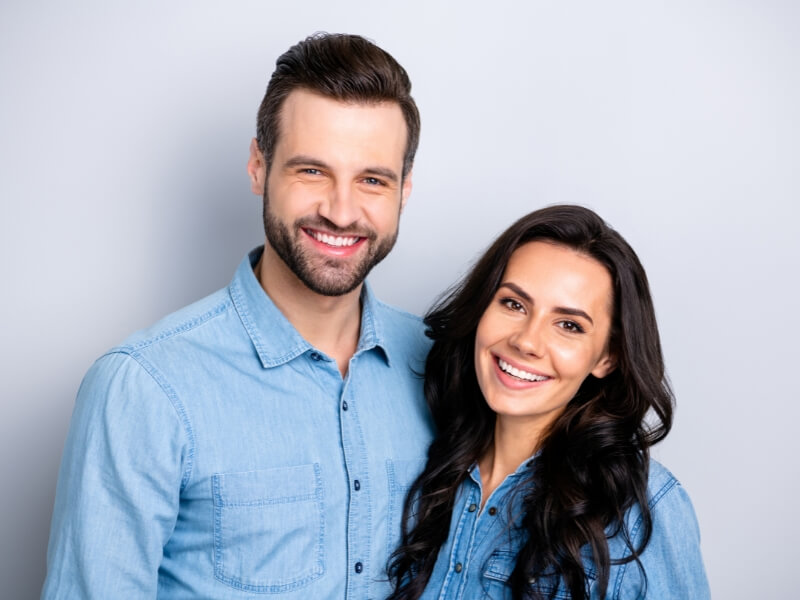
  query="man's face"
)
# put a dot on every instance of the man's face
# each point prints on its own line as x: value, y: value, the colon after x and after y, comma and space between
x: 334, y: 192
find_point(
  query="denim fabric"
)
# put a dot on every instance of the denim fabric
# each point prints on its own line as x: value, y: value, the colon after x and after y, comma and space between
x: 480, y: 552
x: 219, y: 455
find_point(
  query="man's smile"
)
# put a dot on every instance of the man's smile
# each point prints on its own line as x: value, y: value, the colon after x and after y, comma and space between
x: 335, y: 241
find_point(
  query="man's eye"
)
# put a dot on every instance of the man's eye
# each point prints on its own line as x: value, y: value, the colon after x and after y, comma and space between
x: 571, y: 326
x: 372, y: 181
x: 512, y: 304
x: 311, y: 171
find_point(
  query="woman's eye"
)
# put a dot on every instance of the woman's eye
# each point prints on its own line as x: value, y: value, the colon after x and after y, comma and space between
x: 512, y: 304
x: 571, y: 326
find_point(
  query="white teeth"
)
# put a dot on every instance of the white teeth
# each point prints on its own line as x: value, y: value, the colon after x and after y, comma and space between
x: 518, y: 373
x: 333, y: 240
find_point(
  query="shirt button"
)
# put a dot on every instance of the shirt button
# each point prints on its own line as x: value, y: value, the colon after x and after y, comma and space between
x: 344, y: 405
x: 315, y: 356
x: 458, y: 568
x: 492, y: 511
x: 359, y: 567
x: 357, y: 485
x: 473, y: 507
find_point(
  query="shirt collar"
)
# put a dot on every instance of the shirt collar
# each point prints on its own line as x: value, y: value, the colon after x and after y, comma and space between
x: 275, y: 339
x: 474, y: 470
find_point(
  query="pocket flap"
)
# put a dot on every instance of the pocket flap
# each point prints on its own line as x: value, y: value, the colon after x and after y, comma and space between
x: 267, y: 486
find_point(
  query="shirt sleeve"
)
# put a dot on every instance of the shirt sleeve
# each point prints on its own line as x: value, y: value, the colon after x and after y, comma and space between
x: 119, y: 484
x: 672, y: 561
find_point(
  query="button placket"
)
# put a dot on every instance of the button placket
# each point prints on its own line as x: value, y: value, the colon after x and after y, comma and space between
x: 463, y: 544
x: 359, y: 525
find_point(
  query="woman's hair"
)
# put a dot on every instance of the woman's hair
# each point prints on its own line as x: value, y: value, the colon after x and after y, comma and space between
x: 593, y: 460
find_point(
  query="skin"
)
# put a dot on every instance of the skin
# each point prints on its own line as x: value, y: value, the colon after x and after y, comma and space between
x: 551, y: 318
x: 336, y: 171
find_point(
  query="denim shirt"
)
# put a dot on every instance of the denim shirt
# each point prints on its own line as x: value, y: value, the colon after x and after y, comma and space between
x: 480, y: 553
x: 219, y: 455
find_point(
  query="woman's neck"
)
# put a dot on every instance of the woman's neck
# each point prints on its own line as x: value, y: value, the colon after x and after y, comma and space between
x: 513, y: 444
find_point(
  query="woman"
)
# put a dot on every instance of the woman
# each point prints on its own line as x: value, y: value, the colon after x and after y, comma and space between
x: 545, y: 364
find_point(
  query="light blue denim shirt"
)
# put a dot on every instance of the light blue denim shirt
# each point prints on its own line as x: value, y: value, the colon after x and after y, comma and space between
x: 219, y: 455
x: 480, y: 553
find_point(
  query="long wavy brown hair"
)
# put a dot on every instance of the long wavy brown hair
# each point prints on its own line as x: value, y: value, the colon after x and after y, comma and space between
x: 593, y: 461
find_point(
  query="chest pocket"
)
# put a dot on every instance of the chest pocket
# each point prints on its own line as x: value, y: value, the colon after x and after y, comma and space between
x: 498, y: 570
x: 268, y: 528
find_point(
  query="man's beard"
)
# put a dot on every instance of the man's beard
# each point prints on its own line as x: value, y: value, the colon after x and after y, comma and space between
x: 326, y: 276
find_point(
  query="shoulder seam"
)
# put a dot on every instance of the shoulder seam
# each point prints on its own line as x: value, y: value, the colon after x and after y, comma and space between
x: 177, y: 406
x: 655, y: 499
x: 182, y: 328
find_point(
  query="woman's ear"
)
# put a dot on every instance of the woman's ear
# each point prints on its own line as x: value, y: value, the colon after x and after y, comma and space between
x: 604, y: 366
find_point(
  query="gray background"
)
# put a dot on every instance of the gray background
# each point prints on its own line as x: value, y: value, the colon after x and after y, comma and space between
x: 124, y: 132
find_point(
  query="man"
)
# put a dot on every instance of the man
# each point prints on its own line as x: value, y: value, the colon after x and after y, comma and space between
x: 261, y: 441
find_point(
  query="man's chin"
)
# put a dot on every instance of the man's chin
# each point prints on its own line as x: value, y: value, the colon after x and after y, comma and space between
x: 332, y: 286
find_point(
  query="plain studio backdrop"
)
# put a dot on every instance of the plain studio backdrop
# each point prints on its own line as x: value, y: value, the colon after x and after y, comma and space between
x: 124, y: 132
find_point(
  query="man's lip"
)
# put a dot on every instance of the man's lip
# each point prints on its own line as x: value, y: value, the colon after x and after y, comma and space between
x: 519, y: 366
x: 342, y: 250
x: 321, y: 231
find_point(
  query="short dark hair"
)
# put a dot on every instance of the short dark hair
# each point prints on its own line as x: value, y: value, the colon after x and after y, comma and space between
x: 344, y: 67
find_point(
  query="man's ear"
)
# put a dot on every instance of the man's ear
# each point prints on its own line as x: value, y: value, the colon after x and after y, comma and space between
x: 257, y: 169
x: 405, y: 191
x: 605, y: 366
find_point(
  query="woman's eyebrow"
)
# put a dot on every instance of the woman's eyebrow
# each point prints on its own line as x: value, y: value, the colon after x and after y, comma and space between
x: 517, y: 290
x: 574, y: 312
x: 562, y: 310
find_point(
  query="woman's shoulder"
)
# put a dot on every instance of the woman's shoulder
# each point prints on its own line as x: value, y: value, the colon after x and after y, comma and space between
x: 661, y: 483
x: 666, y: 498
x: 672, y: 553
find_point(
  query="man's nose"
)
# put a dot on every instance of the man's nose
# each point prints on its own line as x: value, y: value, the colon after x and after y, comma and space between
x: 340, y: 206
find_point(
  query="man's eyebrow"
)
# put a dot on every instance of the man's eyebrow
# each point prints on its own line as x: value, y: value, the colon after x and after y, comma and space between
x: 382, y: 172
x: 561, y: 310
x: 301, y: 160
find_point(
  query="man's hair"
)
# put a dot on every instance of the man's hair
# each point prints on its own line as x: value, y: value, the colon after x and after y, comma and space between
x: 344, y: 67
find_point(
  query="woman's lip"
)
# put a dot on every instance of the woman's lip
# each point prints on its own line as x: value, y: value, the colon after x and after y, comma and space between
x: 519, y: 366
x: 510, y: 382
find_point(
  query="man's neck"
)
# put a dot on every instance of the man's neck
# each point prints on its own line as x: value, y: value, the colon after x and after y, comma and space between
x: 329, y: 323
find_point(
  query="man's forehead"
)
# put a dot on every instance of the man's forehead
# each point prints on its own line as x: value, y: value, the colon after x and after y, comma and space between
x: 302, y: 100
x: 309, y: 120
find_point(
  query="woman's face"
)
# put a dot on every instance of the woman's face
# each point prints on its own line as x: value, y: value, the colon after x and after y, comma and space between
x: 544, y: 332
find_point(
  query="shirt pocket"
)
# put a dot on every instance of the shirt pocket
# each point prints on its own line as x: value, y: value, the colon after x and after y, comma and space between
x: 400, y: 475
x: 501, y: 564
x: 268, y: 528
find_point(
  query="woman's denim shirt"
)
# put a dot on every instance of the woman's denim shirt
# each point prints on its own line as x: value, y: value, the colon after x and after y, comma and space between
x: 480, y: 553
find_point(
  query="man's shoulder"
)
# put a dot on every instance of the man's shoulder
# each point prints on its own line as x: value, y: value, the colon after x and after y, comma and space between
x: 401, y: 326
x: 398, y: 316
x: 180, y: 325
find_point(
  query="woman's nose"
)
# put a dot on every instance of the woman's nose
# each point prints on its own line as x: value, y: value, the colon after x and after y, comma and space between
x: 528, y: 339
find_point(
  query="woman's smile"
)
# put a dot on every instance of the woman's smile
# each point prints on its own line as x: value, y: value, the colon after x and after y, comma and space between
x: 544, y: 332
